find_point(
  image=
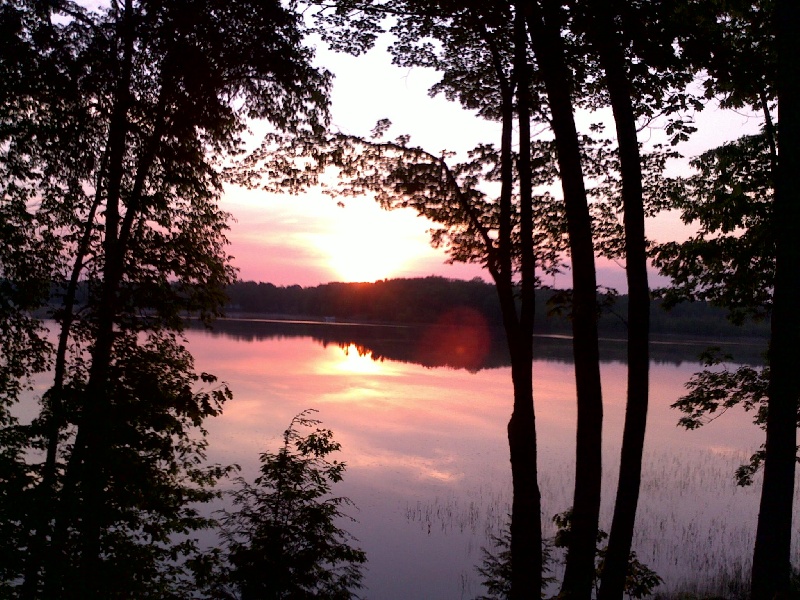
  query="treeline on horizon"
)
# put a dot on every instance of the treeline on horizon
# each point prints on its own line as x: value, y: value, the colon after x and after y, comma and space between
x: 430, y: 299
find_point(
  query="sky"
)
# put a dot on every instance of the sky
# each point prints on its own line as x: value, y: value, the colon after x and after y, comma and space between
x: 309, y: 239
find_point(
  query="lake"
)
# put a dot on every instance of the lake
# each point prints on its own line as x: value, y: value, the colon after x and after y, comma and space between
x: 423, y: 433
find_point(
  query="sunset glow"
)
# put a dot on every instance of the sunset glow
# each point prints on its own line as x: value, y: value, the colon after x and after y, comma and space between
x: 309, y: 240
x: 367, y: 243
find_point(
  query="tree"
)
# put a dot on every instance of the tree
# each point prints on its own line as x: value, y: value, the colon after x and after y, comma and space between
x: 120, y: 137
x: 642, y: 78
x: 751, y: 60
x: 29, y: 256
x: 732, y: 262
x: 282, y: 539
x: 771, y: 556
x: 729, y: 262
x: 545, y: 29
x: 629, y: 64
x: 613, y: 61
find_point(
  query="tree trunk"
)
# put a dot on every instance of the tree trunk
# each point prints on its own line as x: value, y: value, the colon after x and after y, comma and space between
x: 46, y: 492
x: 526, y: 526
x: 771, y: 556
x: 549, y: 50
x: 612, y: 59
x: 85, y: 473
x: 526, y: 523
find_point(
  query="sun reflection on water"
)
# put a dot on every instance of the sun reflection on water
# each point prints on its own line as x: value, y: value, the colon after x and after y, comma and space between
x: 358, y: 361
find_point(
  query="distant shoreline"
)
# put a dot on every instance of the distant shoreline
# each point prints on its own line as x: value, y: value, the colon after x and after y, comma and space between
x: 673, y: 339
x: 395, y: 341
x: 427, y: 300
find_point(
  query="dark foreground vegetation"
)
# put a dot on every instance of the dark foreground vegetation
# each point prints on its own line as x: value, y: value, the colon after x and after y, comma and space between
x: 282, y: 537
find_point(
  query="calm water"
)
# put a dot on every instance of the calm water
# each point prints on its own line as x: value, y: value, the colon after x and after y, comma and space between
x: 421, y: 416
x: 427, y: 454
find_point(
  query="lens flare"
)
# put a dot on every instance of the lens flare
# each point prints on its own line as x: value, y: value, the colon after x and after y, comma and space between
x: 460, y: 339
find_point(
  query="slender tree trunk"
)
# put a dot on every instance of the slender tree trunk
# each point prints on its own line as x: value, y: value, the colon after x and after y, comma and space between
x: 95, y: 423
x: 771, y: 556
x: 526, y: 526
x: 57, y: 420
x: 85, y: 476
x: 549, y: 50
x: 95, y: 420
x: 527, y: 251
x: 526, y: 522
x: 45, y: 496
x: 612, y: 59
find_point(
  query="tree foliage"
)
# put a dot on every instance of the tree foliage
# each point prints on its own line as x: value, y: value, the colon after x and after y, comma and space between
x: 716, y: 389
x: 640, y: 580
x: 730, y: 260
x: 282, y: 538
x: 458, y: 197
x: 749, y: 207
x: 115, y: 124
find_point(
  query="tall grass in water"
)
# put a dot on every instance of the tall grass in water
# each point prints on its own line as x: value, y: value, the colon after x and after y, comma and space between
x: 695, y: 526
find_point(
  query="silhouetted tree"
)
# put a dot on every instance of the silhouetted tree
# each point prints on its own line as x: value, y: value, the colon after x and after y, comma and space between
x: 729, y: 262
x: 545, y: 21
x: 281, y: 538
x: 749, y: 54
x: 771, y: 556
x: 644, y: 78
x: 118, y: 135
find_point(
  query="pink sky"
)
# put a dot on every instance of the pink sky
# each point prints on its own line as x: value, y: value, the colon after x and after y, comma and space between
x: 308, y: 239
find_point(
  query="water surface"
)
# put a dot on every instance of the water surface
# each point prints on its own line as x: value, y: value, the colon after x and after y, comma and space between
x: 427, y: 456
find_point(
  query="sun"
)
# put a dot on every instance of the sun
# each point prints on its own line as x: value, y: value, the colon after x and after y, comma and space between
x: 361, y: 255
x: 366, y: 243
